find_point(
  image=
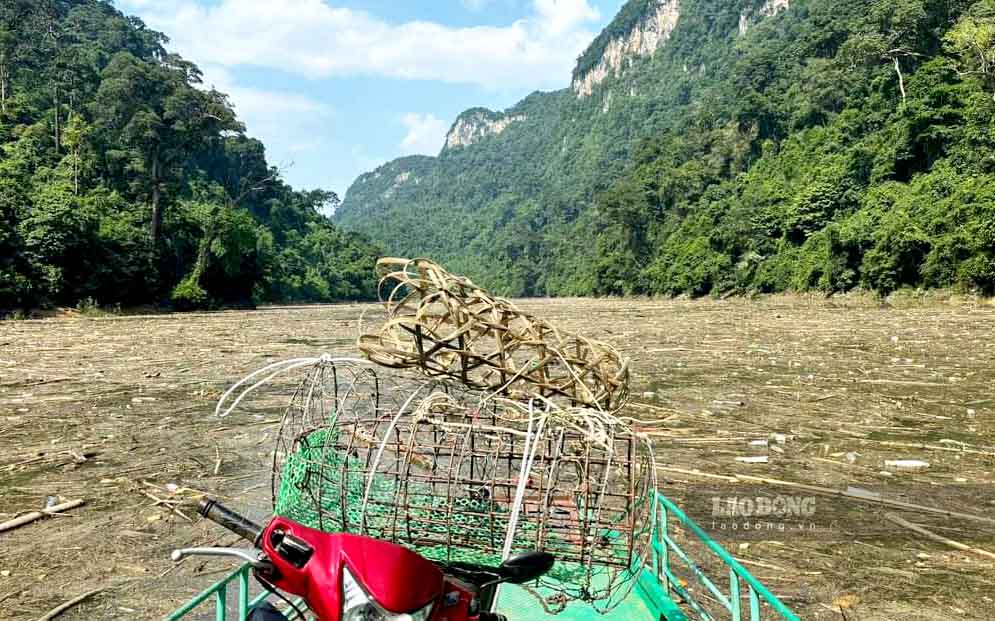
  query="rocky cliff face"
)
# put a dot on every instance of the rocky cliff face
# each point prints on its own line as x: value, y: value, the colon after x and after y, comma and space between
x: 769, y: 9
x: 652, y: 31
x: 475, y: 125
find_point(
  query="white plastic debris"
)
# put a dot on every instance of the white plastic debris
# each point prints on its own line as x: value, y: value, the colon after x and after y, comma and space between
x: 756, y: 459
x: 760, y: 443
x: 851, y: 457
x: 862, y: 493
x: 909, y: 465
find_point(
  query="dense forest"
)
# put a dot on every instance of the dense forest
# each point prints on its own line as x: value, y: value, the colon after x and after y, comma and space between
x: 823, y: 145
x: 124, y: 181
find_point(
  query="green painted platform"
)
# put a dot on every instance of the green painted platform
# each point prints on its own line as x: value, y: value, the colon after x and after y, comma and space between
x: 646, y: 602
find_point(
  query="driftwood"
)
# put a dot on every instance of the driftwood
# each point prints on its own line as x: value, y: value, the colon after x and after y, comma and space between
x: 37, y: 515
x: 698, y: 473
x: 891, y: 517
x: 957, y: 447
x: 58, y: 610
x: 446, y: 326
x: 4, y: 598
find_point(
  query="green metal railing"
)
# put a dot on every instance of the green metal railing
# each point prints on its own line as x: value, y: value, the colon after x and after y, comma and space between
x: 664, y: 545
x: 219, y: 594
x: 656, y: 583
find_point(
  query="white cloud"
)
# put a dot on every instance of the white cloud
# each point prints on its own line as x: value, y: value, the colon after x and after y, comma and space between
x: 425, y: 134
x: 289, y: 123
x: 565, y: 16
x: 254, y: 103
x: 313, y: 39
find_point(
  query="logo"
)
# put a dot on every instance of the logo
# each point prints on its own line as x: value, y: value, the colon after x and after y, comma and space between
x: 765, y: 514
x: 763, y: 506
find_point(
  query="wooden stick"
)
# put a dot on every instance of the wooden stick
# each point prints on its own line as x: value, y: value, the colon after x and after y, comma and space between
x: 169, y: 504
x: 58, y: 610
x: 934, y: 447
x: 37, y: 515
x: 698, y: 473
x: 823, y: 398
x: 4, y: 598
x: 248, y: 424
x: 891, y: 517
x: 882, y: 501
x: 217, y: 462
x: 761, y: 564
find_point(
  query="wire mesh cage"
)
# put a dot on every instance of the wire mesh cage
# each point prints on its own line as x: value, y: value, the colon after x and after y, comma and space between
x: 466, y: 477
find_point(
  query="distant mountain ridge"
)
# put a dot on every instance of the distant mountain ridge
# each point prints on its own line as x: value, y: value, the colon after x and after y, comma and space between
x: 716, y: 145
x: 497, y: 168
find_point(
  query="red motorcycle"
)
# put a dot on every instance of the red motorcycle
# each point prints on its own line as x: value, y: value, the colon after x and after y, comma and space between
x: 346, y: 577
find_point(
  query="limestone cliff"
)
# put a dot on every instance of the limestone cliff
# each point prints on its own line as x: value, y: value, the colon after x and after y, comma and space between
x: 474, y: 125
x: 651, y: 31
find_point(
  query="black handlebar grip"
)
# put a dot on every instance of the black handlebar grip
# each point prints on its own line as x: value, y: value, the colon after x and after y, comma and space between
x: 242, y: 526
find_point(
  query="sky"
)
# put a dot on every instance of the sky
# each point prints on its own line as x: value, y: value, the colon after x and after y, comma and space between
x: 335, y: 88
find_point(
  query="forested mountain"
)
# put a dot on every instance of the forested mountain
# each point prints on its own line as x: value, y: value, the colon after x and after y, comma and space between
x: 709, y: 146
x: 122, y: 180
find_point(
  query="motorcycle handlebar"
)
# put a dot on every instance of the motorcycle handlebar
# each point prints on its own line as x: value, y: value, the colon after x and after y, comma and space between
x: 238, y: 524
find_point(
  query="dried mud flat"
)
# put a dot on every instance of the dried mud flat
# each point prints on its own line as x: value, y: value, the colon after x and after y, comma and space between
x: 118, y: 411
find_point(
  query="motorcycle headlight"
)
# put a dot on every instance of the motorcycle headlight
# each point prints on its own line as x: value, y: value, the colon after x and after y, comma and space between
x: 358, y: 605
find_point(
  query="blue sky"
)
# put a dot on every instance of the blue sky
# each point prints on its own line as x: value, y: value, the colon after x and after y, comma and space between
x: 335, y: 88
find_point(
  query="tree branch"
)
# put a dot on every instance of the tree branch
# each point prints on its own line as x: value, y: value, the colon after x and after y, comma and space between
x: 901, y: 80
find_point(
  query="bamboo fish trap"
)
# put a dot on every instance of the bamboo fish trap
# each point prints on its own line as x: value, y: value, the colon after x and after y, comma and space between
x: 447, y: 327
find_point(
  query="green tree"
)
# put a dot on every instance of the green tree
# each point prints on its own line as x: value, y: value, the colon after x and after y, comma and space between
x: 153, y: 121
x: 108, y: 142
x: 972, y: 41
x: 892, y: 35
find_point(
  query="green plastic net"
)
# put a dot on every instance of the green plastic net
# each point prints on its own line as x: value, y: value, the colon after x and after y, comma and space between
x: 450, y: 473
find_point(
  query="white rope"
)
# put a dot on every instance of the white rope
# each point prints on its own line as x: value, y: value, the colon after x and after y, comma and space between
x: 532, y: 442
x: 383, y: 443
x: 282, y: 366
